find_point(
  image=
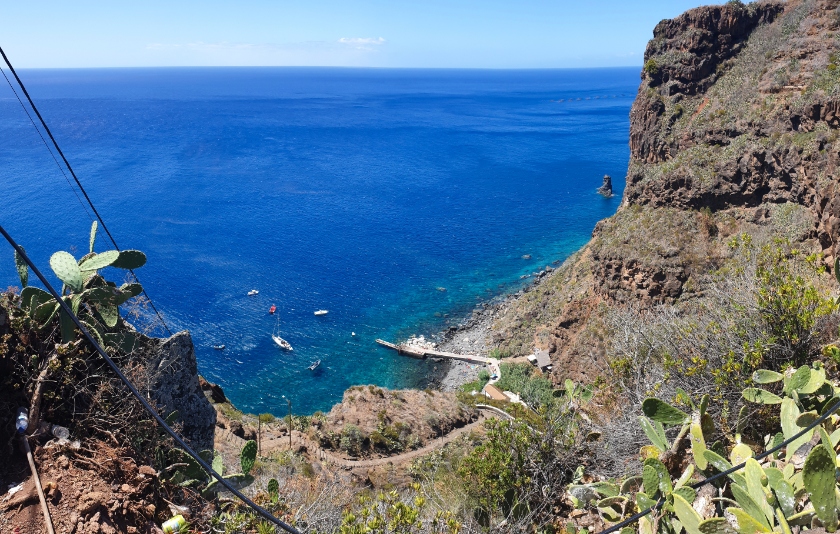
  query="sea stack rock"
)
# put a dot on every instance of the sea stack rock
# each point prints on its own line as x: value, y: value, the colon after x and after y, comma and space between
x: 606, y: 187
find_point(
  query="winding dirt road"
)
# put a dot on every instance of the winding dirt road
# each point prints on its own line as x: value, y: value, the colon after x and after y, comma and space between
x: 274, y: 441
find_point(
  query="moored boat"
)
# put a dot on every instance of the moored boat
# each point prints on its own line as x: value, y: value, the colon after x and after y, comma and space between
x: 253, y: 292
x: 272, y: 309
x: 282, y: 343
x: 321, y: 312
x: 219, y: 347
x: 314, y: 365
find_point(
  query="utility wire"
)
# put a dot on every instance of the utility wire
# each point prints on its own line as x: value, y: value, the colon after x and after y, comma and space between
x: 78, y: 183
x: 207, y: 467
x: 57, y: 164
x: 658, y: 505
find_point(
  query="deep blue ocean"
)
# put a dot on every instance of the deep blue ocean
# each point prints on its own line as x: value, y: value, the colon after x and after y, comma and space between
x: 359, y: 191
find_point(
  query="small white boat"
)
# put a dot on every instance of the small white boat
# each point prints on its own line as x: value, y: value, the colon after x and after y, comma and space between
x: 282, y: 343
x: 321, y: 312
x: 253, y: 292
x: 314, y: 365
x: 219, y: 347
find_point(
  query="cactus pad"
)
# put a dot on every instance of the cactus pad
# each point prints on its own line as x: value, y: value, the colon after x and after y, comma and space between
x: 686, y: 493
x: 756, y: 482
x: 663, y: 412
x: 22, y: 269
x: 99, y: 261
x: 799, y: 380
x: 128, y: 291
x: 746, y: 524
x: 698, y: 446
x: 807, y: 418
x: 688, y: 517
x: 818, y: 476
x: 68, y: 327
x: 650, y: 480
x: 763, y: 376
x: 130, y: 259
x: 716, y: 525
x: 631, y: 485
x: 67, y: 270
x: 218, y: 464
x: 93, y: 228
x: 44, y: 313
x: 816, y: 380
x: 789, y: 413
x: 749, y: 505
x: 664, y: 478
x: 31, y: 297
x: 760, y: 396
x: 248, y: 456
x: 655, y: 433
x: 273, y: 487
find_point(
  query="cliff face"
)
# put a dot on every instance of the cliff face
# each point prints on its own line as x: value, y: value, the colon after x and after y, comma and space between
x: 738, y: 107
x: 734, y: 129
x: 173, y: 382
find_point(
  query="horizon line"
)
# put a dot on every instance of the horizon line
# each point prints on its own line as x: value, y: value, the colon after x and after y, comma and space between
x: 328, y: 67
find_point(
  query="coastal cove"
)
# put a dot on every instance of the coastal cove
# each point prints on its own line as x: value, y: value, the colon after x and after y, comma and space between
x: 396, y: 199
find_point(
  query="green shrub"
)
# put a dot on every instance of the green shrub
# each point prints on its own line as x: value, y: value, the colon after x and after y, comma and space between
x: 499, y: 353
x: 351, y: 440
x: 520, y: 378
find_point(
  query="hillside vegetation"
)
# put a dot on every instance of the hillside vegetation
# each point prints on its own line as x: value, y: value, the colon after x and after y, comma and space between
x: 698, y: 330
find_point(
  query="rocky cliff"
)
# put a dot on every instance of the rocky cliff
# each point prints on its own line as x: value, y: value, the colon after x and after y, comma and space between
x: 173, y: 384
x: 734, y: 129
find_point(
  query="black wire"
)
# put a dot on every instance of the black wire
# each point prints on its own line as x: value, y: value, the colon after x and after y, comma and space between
x: 57, y: 164
x: 765, y: 454
x: 207, y: 467
x: 78, y: 183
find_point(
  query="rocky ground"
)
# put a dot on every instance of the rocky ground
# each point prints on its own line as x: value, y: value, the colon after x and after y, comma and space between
x: 95, y: 489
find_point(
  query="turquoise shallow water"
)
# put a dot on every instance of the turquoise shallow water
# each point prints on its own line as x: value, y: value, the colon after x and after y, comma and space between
x: 359, y: 191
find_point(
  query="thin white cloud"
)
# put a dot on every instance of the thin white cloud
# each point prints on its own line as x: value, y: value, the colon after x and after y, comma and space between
x: 362, y: 43
x: 344, y: 52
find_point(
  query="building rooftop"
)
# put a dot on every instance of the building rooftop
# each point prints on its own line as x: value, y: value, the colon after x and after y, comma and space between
x: 543, y: 359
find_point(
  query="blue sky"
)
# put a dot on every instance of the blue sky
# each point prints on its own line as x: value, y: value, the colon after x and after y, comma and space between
x: 368, y: 33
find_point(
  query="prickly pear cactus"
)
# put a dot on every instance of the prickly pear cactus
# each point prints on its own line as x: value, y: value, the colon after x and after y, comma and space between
x: 99, y: 261
x: 819, y: 480
x: 67, y: 270
x: 761, y: 396
x: 273, y: 488
x: 93, y: 228
x: 663, y: 412
x: 248, y: 456
x: 130, y: 259
x: 218, y: 464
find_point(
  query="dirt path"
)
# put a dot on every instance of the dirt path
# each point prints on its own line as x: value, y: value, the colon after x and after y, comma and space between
x: 273, y: 441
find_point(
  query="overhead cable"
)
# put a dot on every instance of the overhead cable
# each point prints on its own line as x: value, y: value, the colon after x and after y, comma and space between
x: 181, y: 443
x: 76, y: 179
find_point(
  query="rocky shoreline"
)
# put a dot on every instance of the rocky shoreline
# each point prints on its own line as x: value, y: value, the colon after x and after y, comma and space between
x: 473, y: 335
